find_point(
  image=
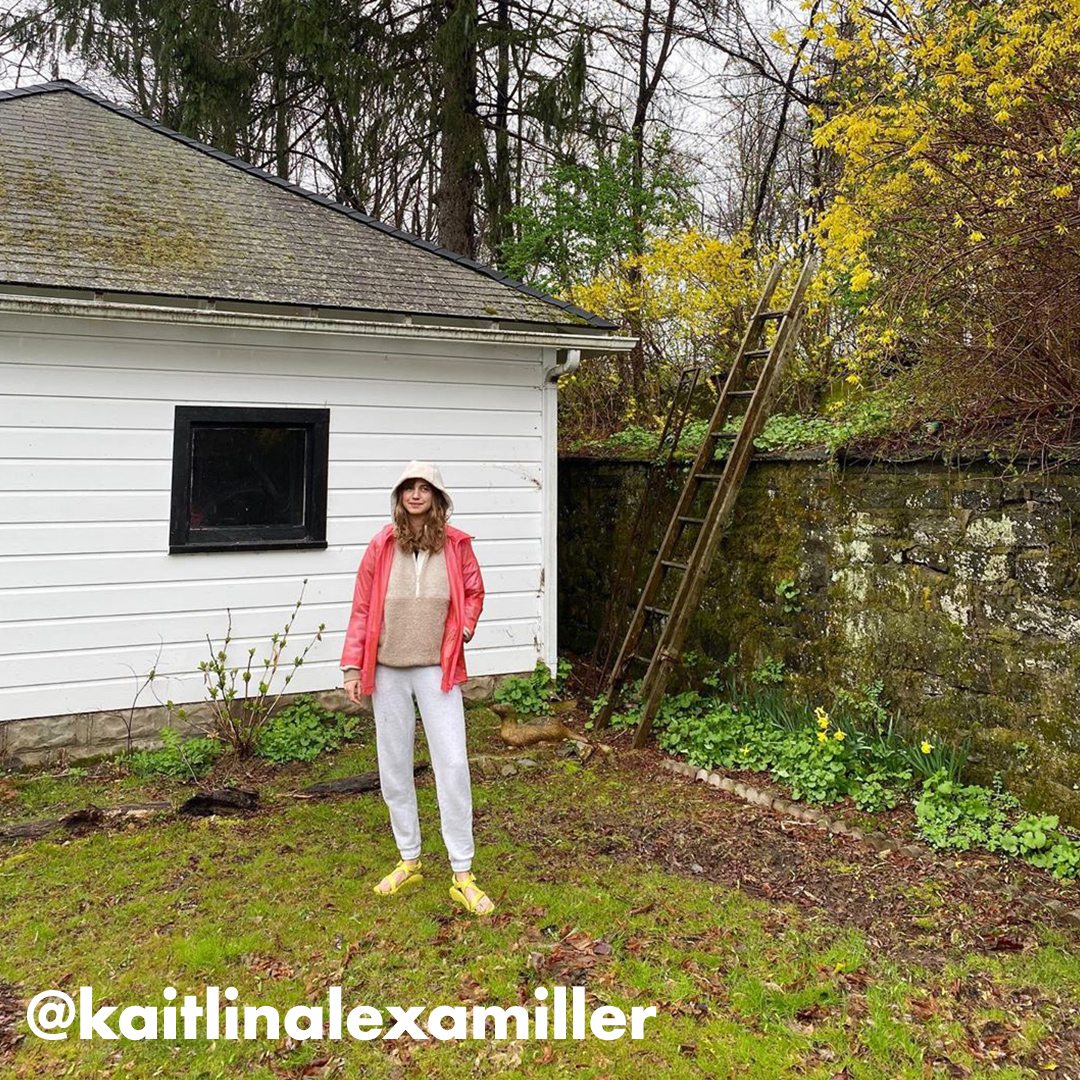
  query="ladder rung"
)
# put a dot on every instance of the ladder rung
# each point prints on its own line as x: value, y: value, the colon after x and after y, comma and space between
x: 675, y: 565
x: 771, y: 314
x: 753, y: 354
x: 740, y: 393
x: 708, y: 476
x: 643, y: 659
x: 657, y: 611
x: 692, y: 521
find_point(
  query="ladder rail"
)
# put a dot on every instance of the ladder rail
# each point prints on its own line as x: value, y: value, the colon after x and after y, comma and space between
x: 720, y: 509
x: 704, y: 457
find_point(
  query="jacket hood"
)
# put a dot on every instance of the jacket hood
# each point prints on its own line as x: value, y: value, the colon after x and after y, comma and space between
x: 423, y: 470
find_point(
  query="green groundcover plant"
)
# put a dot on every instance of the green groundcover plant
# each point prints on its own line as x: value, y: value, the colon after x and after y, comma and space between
x: 178, y: 759
x: 855, y: 752
x: 300, y: 731
x: 303, y: 730
x: 535, y: 693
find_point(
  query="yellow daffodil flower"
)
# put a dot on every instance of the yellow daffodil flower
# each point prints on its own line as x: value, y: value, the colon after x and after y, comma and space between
x: 926, y: 747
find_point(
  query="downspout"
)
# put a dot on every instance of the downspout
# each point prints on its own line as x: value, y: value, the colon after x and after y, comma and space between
x: 566, y: 362
x: 569, y: 365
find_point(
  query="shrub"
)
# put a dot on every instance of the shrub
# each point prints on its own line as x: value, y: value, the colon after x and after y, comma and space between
x: 242, y: 700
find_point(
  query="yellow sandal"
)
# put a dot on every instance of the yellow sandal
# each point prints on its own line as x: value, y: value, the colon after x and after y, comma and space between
x: 458, y: 893
x: 412, y: 875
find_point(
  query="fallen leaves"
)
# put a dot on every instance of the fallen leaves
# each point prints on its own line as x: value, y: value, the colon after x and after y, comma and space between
x: 11, y: 1012
x: 572, y: 959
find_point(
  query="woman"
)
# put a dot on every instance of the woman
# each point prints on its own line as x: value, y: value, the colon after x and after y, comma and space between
x: 418, y: 596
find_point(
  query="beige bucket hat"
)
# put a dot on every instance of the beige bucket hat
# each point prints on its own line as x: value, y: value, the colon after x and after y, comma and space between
x: 423, y: 470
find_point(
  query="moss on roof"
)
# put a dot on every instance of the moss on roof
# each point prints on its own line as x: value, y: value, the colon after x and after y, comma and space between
x: 94, y: 197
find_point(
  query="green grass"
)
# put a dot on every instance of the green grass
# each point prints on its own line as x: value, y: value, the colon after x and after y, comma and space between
x: 280, y: 906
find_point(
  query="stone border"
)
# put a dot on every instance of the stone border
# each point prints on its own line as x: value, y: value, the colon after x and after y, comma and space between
x: 876, y: 841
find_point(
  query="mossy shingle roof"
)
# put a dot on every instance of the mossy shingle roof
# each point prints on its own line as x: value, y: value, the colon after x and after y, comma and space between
x: 93, y: 196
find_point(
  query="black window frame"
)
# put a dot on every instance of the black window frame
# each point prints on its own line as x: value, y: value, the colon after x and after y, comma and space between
x: 311, y: 534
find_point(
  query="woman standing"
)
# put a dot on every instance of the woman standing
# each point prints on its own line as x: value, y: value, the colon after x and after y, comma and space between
x: 418, y: 597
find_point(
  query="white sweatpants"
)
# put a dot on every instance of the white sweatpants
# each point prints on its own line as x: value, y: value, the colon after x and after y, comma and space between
x: 443, y: 716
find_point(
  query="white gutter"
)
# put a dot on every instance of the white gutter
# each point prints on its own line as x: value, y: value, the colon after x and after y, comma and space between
x: 101, y: 309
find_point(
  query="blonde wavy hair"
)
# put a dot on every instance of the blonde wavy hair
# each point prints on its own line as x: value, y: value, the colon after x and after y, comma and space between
x: 432, y: 535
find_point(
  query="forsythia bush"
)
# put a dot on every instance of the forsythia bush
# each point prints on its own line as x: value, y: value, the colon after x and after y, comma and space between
x: 954, y: 232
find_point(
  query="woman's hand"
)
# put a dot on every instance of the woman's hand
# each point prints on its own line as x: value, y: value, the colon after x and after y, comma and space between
x: 352, y: 690
x: 466, y: 633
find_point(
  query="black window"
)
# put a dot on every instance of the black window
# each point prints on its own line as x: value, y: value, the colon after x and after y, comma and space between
x: 247, y: 478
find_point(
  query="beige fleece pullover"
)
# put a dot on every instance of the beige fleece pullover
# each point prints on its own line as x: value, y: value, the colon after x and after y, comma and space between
x: 414, y: 614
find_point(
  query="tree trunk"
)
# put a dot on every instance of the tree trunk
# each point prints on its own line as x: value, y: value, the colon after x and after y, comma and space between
x: 459, y: 127
x: 501, y: 197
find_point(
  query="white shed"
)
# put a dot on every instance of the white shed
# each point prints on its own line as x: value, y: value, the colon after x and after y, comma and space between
x: 209, y: 380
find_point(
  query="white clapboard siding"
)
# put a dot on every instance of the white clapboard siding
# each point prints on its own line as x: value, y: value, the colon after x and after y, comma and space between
x: 162, y: 598
x: 51, y: 699
x: 44, y: 507
x: 90, y: 475
x: 35, y: 571
x: 131, y: 370
x: 93, y: 537
x: 86, y: 434
x: 30, y: 411
x: 98, y: 445
x: 66, y: 635
x: 32, y: 669
x: 194, y: 387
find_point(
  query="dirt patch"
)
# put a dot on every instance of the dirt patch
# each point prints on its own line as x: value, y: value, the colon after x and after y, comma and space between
x: 932, y: 907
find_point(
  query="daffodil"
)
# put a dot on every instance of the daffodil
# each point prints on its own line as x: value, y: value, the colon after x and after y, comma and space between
x: 822, y: 737
x: 822, y: 717
x: 926, y: 747
x: 839, y: 736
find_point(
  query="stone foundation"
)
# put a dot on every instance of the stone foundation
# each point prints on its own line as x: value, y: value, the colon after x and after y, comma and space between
x: 51, y: 739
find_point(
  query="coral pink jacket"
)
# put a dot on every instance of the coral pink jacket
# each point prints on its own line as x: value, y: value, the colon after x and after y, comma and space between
x: 466, y: 602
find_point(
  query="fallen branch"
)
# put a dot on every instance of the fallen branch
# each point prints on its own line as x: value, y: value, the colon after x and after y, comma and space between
x: 350, y: 785
x: 93, y: 816
x: 227, y: 800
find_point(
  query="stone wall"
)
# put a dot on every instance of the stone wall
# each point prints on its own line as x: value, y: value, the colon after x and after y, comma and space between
x: 46, y: 740
x: 959, y: 589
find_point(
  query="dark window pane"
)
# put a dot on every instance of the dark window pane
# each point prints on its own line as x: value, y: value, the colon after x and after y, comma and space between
x: 247, y: 476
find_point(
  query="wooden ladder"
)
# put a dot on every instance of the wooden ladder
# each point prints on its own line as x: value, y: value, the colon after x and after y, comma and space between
x: 757, y: 392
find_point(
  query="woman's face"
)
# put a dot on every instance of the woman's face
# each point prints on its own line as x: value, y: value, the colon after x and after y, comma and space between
x: 416, y: 497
